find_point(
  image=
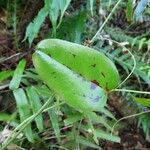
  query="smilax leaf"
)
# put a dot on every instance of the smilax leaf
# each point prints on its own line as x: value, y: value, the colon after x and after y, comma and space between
x: 142, y: 101
x: 87, y: 62
x: 78, y: 92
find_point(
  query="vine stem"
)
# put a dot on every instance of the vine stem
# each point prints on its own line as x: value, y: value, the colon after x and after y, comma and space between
x: 130, y: 91
x: 102, y: 26
x: 126, y: 117
x: 98, y: 32
x: 133, y: 58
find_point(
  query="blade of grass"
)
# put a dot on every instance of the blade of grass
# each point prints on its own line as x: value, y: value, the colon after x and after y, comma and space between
x: 24, y: 110
x: 14, y: 84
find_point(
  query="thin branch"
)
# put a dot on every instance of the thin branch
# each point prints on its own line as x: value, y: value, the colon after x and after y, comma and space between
x: 102, y: 26
x: 131, y: 91
x: 126, y: 117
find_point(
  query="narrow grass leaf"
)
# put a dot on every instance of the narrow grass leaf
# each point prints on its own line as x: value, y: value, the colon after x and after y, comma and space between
x: 129, y: 12
x: 101, y: 134
x: 6, y: 117
x: 91, y: 6
x: 15, y: 82
x: 43, y: 91
x: 29, y: 74
x: 63, y: 6
x: 141, y: 43
x: 148, y: 45
x: 34, y: 27
x: 108, y: 113
x: 72, y: 119
x: 74, y: 25
x: 55, y: 122
x: 107, y: 136
x: 87, y: 143
x: 35, y: 106
x: 5, y: 75
x: 142, y: 101
x: 24, y: 111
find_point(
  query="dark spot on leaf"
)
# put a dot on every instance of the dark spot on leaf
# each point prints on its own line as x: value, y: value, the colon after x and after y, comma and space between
x: 78, y: 76
x: 93, y: 86
x: 74, y: 55
x: 94, y: 81
x: 107, y: 86
x: 103, y: 74
x: 84, y: 95
x: 50, y: 55
x: 94, y: 65
x: 53, y: 73
x: 96, y: 99
x: 68, y: 67
x: 74, y: 72
x: 83, y: 79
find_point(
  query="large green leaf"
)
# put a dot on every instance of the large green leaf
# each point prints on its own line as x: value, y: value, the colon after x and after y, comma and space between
x: 70, y: 86
x: 84, y: 141
x: 91, y: 6
x: 63, y: 6
x: 87, y: 62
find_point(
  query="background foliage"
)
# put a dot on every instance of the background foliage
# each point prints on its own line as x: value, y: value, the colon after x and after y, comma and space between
x: 24, y: 24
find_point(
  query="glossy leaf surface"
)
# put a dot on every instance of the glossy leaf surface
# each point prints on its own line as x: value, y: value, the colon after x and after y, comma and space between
x: 87, y: 62
x: 78, y: 92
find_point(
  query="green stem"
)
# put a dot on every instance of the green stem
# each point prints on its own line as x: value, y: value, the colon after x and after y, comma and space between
x: 102, y: 26
x: 126, y: 117
x: 133, y: 58
x: 130, y: 91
